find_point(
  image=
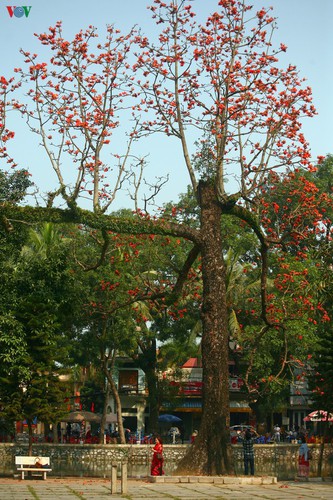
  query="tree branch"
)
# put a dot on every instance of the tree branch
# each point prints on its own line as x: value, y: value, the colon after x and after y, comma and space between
x: 102, y: 222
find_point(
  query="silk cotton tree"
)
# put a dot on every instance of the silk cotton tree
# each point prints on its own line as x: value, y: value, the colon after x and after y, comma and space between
x: 220, y: 80
x: 218, y: 83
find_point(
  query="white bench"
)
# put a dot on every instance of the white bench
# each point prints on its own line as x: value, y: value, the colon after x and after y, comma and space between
x: 29, y: 464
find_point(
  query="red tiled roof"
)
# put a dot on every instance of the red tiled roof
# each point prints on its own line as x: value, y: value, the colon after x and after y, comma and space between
x: 192, y: 363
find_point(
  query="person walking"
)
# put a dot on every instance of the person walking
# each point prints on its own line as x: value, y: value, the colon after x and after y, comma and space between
x: 248, y: 439
x: 277, y: 433
x: 156, y: 468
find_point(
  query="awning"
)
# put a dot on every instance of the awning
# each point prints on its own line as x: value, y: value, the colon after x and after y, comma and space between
x: 239, y: 407
x: 195, y: 406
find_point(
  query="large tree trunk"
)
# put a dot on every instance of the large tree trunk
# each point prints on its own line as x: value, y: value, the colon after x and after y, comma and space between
x: 55, y: 433
x: 147, y: 361
x: 30, y: 437
x: 105, y: 406
x: 153, y: 400
x: 116, y: 397
x: 321, y: 449
x: 209, y: 454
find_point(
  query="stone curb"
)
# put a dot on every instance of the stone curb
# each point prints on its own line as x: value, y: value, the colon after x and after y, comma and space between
x: 214, y: 479
x: 302, y: 479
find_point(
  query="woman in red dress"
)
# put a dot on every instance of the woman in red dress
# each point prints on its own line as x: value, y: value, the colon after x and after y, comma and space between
x: 157, y: 461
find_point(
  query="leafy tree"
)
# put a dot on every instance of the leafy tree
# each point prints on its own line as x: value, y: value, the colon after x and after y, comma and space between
x: 14, y: 186
x: 319, y: 380
x: 322, y: 370
x: 319, y: 369
x: 106, y: 325
x: 30, y: 385
x: 130, y: 265
x: 92, y: 393
x: 33, y: 312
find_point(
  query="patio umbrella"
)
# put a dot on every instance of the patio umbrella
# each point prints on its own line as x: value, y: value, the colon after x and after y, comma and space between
x: 110, y: 418
x: 318, y: 416
x: 169, y: 419
x: 81, y: 416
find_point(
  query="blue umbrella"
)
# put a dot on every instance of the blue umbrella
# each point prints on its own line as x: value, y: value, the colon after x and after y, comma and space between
x: 169, y: 419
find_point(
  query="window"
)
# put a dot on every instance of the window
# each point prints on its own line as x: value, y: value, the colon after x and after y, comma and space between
x: 128, y: 381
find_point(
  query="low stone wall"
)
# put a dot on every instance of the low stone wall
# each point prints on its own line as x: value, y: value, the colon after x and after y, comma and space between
x: 95, y: 460
x: 281, y: 460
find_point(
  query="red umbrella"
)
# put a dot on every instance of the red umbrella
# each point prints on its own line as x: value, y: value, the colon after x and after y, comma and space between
x: 318, y: 416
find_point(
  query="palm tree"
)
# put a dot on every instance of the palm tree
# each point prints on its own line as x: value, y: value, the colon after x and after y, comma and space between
x: 42, y: 242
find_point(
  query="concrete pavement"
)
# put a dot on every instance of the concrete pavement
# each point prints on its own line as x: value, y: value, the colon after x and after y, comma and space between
x: 100, y: 489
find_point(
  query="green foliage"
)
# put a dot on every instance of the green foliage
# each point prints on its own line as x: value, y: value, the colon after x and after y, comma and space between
x: 14, y: 186
x: 12, y: 343
x: 31, y: 332
x: 320, y: 379
x: 175, y: 353
x: 323, y: 177
x: 93, y: 392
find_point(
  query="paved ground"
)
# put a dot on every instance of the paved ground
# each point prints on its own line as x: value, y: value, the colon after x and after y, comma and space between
x: 99, y: 489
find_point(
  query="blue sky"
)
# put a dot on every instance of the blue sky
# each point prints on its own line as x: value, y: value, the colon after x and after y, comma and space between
x: 304, y: 26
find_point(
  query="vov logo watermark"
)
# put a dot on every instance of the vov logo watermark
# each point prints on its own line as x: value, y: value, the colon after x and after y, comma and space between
x: 22, y: 11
